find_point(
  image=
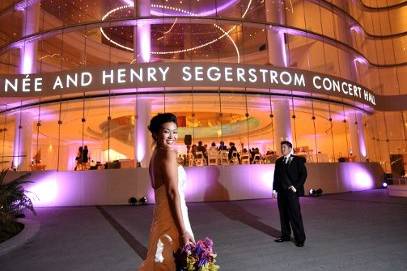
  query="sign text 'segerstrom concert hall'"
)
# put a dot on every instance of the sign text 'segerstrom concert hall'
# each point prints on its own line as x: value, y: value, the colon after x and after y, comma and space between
x: 182, y: 75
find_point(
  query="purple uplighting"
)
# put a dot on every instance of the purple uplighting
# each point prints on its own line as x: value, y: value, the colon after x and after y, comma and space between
x: 22, y: 5
x: 356, y: 177
x: 27, y: 59
x: 145, y: 42
x: 213, y: 183
x: 360, y: 59
x: 44, y: 191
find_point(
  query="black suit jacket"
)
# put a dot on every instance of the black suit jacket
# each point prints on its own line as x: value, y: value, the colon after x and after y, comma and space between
x: 294, y: 173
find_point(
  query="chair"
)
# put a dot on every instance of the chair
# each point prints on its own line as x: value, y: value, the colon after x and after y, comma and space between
x: 199, y: 159
x: 245, y: 159
x: 190, y: 159
x: 234, y: 160
x: 213, y: 156
x: 224, y: 157
x: 257, y: 159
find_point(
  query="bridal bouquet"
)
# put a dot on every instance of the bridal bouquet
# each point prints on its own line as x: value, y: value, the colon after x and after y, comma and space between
x: 196, y: 257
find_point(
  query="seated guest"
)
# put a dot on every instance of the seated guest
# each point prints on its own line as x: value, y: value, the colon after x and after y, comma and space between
x: 231, y: 150
x: 213, y: 154
x: 202, y: 149
x: 222, y: 146
x: 193, y: 150
x: 252, y: 153
x: 257, y: 151
x: 213, y: 147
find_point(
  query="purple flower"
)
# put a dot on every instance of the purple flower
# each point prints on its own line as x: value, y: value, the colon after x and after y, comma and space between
x: 195, y: 256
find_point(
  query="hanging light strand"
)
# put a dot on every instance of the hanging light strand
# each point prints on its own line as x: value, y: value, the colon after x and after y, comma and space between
x: 312, y: 100
x: 219, y: 92
x: 84, y: 64
x: 39, y: 99
x: 271, y: 115
x: 4, y: 136
x: 60, y: 96
x: 109, y: 117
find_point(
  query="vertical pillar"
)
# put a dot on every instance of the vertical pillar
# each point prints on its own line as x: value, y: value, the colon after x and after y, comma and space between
x: 278, y: 56
x: 28, y: 51
x: 282, y: 122
x: 357, y: 136
x: 22, y: 141
x: 24, y: 120
x: 142, y: 32
x: 277, y: 51
x: 142, y: 54
x: 142, y: 138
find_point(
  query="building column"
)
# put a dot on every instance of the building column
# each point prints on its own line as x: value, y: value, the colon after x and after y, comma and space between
x: 282, y: 122
x: 277, y: 51
x: 278, y: 56
x: 22, y: 141
x: 357, y: 136
x: 28, y: 50
x: 24, y: 120
x: 142, y: 32
x: 142, y: 138
x: 142, y: 49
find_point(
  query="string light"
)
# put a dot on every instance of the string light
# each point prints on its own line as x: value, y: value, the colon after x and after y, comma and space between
x: 169, y: 30
x: 185, y: 12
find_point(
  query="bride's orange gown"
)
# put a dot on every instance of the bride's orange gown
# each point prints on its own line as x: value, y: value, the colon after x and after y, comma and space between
x: 164, y: 236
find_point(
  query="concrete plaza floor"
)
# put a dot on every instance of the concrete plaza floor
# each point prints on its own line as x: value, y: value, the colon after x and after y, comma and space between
x: 351, y: 231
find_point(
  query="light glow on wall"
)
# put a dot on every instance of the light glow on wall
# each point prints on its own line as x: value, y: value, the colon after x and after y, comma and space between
x: 357, y: 177
x: 44, y: 191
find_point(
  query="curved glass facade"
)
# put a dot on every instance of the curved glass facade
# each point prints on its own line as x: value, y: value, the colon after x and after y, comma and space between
x: 360, y: 41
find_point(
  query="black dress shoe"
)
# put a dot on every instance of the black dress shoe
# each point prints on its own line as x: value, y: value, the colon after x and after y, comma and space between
x: 282, y: 239
x: 299, y: 244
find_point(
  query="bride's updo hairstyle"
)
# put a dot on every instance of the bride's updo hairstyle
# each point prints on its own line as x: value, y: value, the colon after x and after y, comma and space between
x: 157, y: 121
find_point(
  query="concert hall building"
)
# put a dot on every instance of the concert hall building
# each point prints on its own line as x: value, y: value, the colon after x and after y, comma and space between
x: 329, y: 76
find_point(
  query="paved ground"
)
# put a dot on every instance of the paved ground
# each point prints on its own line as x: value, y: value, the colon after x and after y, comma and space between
x: 351, y: 231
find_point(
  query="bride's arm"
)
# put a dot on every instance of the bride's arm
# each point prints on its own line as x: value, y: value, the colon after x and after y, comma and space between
x: 170, y: 171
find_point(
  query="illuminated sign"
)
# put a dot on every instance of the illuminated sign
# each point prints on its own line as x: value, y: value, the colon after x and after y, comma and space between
x: 158, y: 75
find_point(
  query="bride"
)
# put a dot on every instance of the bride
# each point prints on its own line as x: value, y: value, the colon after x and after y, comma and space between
x: 170, y: 228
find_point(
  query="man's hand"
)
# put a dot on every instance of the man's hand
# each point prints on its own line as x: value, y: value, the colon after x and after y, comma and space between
x: 274, y: 194
x: 292, y: 188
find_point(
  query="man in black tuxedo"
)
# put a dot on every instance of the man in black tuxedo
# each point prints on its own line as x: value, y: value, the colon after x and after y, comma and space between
x: 289, y: 177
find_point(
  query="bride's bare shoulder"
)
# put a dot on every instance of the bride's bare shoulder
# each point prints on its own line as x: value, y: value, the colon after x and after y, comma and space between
x: 166, y: 153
